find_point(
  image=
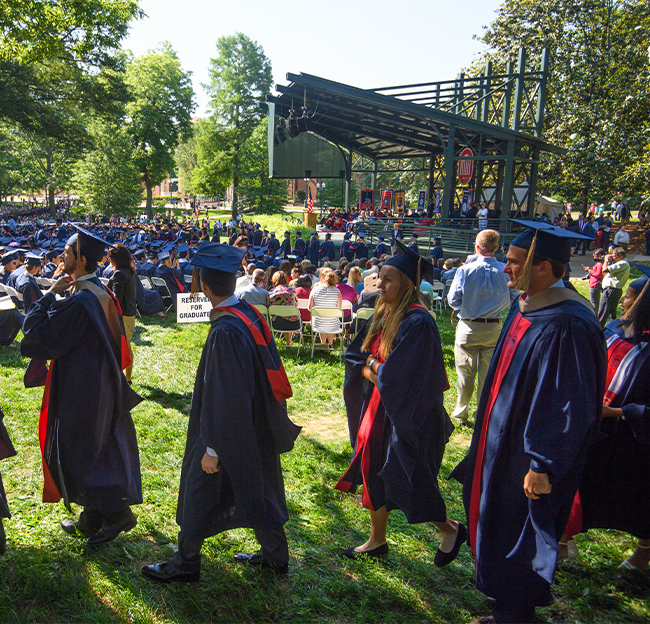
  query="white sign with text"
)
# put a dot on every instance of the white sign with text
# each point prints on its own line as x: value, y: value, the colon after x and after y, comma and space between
x: 192, y: 308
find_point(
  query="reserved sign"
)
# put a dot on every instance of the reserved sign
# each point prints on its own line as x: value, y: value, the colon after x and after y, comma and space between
x: 192, y: 308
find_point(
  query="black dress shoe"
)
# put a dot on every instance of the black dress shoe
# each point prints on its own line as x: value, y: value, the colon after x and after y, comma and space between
x: 110, y: 531
x: 168, y: 572
x: 442, y: 558
x: 77, y: 528
x: 375, y: 553
x: 255, y: 559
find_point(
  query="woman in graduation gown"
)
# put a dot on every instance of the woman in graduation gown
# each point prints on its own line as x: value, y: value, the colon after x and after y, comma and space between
x: 615, y: 489
x: 398, y: 425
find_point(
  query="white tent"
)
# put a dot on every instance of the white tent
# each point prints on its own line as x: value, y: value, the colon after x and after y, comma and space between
x: 551, y: 207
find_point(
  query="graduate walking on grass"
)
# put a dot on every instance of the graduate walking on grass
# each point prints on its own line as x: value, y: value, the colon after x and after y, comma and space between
x: 231, y: 475
x: 394, y: 384
x: 88, y: 440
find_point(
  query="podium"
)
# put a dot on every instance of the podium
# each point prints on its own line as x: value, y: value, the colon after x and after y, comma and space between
x: 310, y: 219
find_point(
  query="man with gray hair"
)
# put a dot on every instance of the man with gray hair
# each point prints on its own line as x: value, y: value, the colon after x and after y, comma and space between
x: 479, y: 293
x: 253, y: 292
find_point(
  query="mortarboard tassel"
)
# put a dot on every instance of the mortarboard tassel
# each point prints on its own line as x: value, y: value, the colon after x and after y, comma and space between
x: 195, y: 288
x: 523, y: 281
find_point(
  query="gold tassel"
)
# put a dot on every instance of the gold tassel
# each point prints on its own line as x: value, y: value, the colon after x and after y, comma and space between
x: 195, y: 288
x: 523, y: 281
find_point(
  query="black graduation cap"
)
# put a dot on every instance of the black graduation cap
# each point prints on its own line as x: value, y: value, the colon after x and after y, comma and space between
x: 50, y: 255
x: 550, y: 241
x: 218, y: 257
x: 183, y: 248
x: 32, y: 259
x: 87, y: 243
x: 411, y: 264
x: 9, y: 257
x: 644, y: 269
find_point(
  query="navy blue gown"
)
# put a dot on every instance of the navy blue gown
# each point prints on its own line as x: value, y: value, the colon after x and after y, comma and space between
x: 539, y: 409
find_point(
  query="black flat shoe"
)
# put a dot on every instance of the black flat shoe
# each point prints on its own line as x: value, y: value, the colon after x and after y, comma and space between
x: 110, y: 531
x: 167, y: 572
x: 442, y: 558
x: 375, y: 553
x: 255, y: 559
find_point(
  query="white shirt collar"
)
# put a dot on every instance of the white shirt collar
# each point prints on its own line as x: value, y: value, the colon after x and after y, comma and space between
x: 231, y: 301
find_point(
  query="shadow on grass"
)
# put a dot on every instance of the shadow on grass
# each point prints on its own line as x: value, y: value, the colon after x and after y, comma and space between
x: 175, y: 400
x: 10, y: 356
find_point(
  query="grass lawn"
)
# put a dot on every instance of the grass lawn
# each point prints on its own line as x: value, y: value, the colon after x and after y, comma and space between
x: 48, y: 576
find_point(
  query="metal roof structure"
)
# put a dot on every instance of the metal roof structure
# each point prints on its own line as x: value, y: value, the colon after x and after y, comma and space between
x: 499, y: 117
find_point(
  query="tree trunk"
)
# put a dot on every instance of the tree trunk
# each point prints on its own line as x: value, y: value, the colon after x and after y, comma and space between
x: 50, y: 189
x: 149, y: 202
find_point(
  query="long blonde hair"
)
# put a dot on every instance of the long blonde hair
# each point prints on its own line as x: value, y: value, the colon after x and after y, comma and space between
x: 388, y: 317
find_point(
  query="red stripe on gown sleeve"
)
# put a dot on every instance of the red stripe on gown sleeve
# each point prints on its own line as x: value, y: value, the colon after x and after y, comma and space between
x: 516, y: 331
x: 50, y: 491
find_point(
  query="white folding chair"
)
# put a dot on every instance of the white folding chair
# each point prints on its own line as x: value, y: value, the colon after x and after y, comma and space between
x: 7, y: 303
x: 326, y: 314
x: 346, y: 306
x: 187, y: 278
x: 363, y: 314
x: 146, y: 282
x: 263, y: 310
x: 276, y: 312
x: 371, y: 282
x: 438, y: 298
x: 161, y: 285
x: 2, y: 289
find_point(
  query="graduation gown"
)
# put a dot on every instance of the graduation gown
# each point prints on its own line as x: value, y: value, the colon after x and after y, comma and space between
x: 174, y: 280
x: 274, y: 245
x: 26, y: 285
x: 313, y: 251
x: 327, y: 250
x: 615, y: 489
x: 6, y: 450
x: 381, y: 249
x: 11, y: 322
x: 345, y: 250
x: 88, y: 440
x: 245, y: 425
x: 300, y: 248
x: 540, y: 406
x: 285, y: 247
x: 359, y: 250
x: 411, y: 428
x: 149, y: 301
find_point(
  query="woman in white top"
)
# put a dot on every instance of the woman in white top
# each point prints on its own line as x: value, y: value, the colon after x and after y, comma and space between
x: 325, y: 295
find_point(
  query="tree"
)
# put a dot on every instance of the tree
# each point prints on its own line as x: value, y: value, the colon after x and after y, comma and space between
x: 257, y: 190
x: 598, y: 105
x: 240, y: 79
x: 107, y: 178
x: 213, y: 171
x: 159, y: 114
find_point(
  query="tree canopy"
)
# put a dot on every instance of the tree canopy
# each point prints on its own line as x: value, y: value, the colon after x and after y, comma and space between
x: 159, y: 114
x: 598, y: 91
x: 240, y: 79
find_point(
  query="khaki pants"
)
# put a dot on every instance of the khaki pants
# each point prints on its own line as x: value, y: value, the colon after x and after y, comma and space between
x: 473, y: 349
x: 129, y: 328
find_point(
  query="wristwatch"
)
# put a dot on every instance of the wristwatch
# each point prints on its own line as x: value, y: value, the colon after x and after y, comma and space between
x: 372, y: 361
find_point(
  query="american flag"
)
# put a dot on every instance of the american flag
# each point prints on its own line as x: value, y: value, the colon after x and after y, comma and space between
x: 310, y: 201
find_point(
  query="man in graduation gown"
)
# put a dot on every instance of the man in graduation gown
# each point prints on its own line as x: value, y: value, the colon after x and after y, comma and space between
x: 313, y: 249
x: 10, y: 263
x: 6, y: 450
x: 540, y: 406
x: 327, y: 249
x: 381, y: 248
x: 299, y: 247
x: 358, y: 248
x: 88, y: 440
x: 26, y: 284
x: 285, y: 247
x: 345, y: 247
x: 174, y: 279
x: 274, y: 245
x: 231, y: 475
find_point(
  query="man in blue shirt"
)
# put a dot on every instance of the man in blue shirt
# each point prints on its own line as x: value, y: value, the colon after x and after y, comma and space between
x: 480, y: 293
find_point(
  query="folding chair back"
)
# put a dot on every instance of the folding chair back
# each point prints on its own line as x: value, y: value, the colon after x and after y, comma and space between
x: 276, y: 312
x: 371, y: 282
x: 161, y: 285
x: 363, y: 314
x: 327, y: 313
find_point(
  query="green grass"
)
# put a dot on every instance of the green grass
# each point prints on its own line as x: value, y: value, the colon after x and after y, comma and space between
x: 47, y: 576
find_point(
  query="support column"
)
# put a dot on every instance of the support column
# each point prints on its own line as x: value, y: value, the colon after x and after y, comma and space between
x: 348, y: 180
x: 532, y: 183
x: 508, y: 186
x: 450, y: 173
x: 519, y: 91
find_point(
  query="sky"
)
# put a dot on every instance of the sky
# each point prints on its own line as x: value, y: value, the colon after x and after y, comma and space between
x: 357, y: 42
